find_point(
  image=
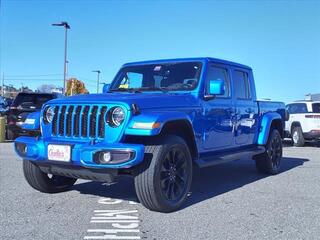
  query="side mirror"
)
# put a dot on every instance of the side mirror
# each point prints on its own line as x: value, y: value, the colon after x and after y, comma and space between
x: 106, y: 87
x: 286, y: 115
x: 216, y: 87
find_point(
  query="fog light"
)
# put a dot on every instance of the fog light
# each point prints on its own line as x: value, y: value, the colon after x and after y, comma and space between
x: 113, y: 157
x: 105, y: 158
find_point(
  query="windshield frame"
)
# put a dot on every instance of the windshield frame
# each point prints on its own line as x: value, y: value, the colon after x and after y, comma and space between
x: 117, y: 78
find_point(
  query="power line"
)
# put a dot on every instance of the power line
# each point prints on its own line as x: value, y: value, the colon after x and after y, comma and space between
x: 32, y: 79
x: 35, y: 75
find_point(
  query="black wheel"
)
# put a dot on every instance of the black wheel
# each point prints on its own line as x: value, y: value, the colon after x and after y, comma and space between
x: 269, y: 161
x: 297, y: 137
x: 11, y: 135
x: 44, y: 182
x: 164, y: 183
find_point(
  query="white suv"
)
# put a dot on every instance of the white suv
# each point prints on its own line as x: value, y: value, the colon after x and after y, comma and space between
x: 304, y: 121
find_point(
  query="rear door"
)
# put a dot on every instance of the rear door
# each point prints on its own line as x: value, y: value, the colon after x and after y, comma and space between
x: 316, y: 116
x: 246, y: 107
x: 297, y: 113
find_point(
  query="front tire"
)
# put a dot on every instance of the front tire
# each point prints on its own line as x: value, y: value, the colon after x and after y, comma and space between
x: 297, y: 137
x: 11, y: 135
x: 269, y: 162
x: 163, y: 185
x: 44, y: 182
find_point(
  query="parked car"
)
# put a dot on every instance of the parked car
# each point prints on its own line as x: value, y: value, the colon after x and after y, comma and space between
x: 5, y: 103
x: 3, y: 106
x: 9, y: 101
x: 158, y: 120
x: 304, y: 122
x: 22, y: 105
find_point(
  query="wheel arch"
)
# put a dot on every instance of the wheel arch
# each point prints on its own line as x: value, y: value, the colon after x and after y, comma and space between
x: 170, y: 123
x: 277, y: 124
x: 183, y: 129
x: 295, y: 124
x: 270, y: 121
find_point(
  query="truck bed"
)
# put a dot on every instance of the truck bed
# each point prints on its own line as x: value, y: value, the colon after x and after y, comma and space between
x: 271, y: 106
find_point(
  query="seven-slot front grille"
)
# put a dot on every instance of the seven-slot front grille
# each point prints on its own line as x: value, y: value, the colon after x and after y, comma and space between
x: 86, y: 121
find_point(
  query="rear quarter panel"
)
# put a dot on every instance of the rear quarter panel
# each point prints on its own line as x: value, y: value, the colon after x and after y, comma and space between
x: 268, y: 112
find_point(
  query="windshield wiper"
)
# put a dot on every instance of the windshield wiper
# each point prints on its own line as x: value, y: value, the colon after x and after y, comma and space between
x: 130, y: 90
x: 164, y: 90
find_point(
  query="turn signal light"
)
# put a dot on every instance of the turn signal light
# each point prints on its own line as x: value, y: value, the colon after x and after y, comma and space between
x: 147, y: 125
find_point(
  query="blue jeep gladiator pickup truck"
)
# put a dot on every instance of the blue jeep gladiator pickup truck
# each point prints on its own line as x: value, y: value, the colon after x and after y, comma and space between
x: 157, y: 121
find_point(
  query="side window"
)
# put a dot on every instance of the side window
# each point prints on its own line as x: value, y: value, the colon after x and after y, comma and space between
x: 316, y: 107
x: 132, y: 80
x: 241, y: 85
x: 297, y: 108
x: 218, y: 73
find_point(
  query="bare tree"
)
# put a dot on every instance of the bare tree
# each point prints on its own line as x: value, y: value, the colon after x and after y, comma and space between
x: 46, y: 88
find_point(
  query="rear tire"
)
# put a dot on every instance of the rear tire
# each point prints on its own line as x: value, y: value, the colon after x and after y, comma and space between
x: 269, y: 162
x: 165, y: 179
x: 297, y: 137
x: 43, y: 182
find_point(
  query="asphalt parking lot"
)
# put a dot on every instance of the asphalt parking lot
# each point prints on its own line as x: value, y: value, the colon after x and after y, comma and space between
x: 229, y: 201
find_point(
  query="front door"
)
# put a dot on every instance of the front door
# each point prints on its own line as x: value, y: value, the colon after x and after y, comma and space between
x: 218, y: 113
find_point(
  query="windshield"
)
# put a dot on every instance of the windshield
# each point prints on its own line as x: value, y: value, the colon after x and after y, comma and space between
x: 158, y: 77
x: 36, y: 99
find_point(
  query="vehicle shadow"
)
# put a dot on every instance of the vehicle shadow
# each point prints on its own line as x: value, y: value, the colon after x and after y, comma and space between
x: 207, y: 182
x: 216, y: 180
x: 288, y: 143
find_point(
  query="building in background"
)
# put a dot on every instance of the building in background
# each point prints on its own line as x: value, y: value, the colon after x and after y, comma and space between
x: 9, y: 91
x: 313, y: 97
x: 58, y: 90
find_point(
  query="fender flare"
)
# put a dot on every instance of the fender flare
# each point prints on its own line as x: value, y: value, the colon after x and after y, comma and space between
x: 265, y: 125
x: 154, y: 117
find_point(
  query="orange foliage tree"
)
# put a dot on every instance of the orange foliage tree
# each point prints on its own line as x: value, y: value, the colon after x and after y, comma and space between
x: 75, y: 86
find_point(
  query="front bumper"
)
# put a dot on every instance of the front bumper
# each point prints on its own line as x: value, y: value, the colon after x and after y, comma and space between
x: 82, y: 153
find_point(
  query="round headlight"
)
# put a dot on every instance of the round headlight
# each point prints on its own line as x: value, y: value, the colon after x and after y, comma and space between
x: 48, y: 115
x: 117, y: 116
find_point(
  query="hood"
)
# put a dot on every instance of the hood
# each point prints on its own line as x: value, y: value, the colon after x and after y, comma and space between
x: 143, y: 100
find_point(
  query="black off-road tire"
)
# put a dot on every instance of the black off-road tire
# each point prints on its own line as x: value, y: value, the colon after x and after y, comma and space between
x: 164, y: 181
x: 269, y: 162
x: 11, y: 135
x: 42, y: 182
x: 297, y: 137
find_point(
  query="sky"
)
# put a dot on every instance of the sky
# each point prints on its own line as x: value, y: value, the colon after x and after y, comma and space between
x: 280, y: 40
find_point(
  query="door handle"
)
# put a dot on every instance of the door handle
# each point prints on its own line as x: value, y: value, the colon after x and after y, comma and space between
x: 231, y: 111
x: 249, y: 110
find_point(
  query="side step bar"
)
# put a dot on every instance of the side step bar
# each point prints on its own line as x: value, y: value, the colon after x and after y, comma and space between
x: 214, y: 158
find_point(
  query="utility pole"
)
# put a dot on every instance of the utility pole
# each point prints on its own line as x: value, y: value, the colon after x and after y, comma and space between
x: 71, y: 87
x: 66, y: 27
x: 98, y: 79
x: 2, y: 89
